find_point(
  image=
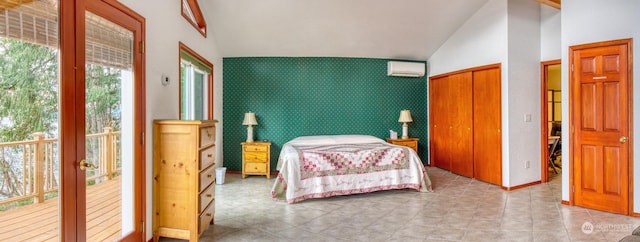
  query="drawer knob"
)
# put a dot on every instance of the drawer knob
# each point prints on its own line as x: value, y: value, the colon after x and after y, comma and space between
x: 209, y: 175
x: 209, y: 195
x: 210, y: 155
x: 208, y: 214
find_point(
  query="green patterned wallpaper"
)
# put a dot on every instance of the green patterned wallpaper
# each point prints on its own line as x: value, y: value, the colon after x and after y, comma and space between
x: 296, y: 96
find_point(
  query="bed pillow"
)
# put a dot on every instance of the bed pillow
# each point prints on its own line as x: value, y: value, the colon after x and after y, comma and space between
x: 334, y: 139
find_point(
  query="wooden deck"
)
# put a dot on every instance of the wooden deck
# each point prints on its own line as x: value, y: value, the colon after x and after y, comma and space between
x: 39, y: 222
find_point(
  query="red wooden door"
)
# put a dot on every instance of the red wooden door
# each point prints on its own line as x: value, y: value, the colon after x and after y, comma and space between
x: 461, y: 124
x: 600, y: 104
x: 438, y: 105
x: 487, y: 138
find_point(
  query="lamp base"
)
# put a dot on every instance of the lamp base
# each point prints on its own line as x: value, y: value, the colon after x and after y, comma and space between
x: 249, y: 134
x: 405, y: 131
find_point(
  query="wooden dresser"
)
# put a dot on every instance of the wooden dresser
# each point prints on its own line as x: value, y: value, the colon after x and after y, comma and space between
x: 256, y: 158
x: 409, y: 142
x: 183, y: 178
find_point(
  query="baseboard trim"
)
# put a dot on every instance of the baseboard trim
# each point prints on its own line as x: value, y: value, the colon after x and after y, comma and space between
x: 565, y: 202
x: 520, y: 186
x: 637, y: 215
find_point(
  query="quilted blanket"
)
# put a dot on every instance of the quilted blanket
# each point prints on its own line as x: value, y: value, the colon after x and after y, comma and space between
x: 334, y: 160
x: 324, y: 170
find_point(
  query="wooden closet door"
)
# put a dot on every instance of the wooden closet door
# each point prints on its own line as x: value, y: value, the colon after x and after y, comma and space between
x: 439, y: 132
x: 487, y: 138
x: 461, y: 123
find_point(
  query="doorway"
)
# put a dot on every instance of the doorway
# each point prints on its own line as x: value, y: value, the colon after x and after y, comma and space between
x: 73, y: 70
x: 551, y: 110
x: 601, y: 118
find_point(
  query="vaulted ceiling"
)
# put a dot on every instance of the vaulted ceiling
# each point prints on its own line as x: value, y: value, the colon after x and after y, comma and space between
x: 401, y: 29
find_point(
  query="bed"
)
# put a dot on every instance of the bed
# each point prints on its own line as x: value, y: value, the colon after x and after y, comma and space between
x: 325, y: 166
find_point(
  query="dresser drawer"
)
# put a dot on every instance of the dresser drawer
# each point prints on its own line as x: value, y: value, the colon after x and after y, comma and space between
x: 207, y: 136
x: 405, y: 143
x: 206, y: 217
x: 412, y: 146
x: 255, y: 156
x: 207, y: 177
x: 255, y: 167
x: 207, y: 157
x: 259, y: 148
x: 206, y: 197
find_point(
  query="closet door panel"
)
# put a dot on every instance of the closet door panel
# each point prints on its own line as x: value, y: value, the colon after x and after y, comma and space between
x: 439, y: 128
x: 487, y: 139
x: 461, y: 123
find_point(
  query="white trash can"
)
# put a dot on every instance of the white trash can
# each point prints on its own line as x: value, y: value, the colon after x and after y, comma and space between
x: 220, y: 171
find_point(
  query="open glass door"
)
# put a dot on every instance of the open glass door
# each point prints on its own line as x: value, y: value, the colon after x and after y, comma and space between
x: 45, y: 132
x: 109, y: 125
x: 29, y: 121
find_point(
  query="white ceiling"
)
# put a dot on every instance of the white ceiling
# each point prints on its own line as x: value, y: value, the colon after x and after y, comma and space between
x: 395, y: 29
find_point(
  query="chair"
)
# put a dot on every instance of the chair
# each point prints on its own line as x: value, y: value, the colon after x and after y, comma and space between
x: 556, y: 129
x: 554, y: 152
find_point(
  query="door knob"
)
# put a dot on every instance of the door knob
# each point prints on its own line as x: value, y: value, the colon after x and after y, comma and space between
x: 623, y: 139
x: 84, y: 165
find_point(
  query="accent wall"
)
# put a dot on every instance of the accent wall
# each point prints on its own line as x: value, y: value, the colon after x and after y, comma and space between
x: 300, y: 96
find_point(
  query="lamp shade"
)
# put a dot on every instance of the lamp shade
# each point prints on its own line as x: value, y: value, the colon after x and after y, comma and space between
x: 249, y: 119
x: 405, y: 116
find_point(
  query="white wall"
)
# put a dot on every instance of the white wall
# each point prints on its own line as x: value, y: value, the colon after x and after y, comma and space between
x: 506, y: 32
x: 588, y: 21
x: 523, y: 86
x: 165, y: 27
x: 481, y: 40
x: 550, y: 33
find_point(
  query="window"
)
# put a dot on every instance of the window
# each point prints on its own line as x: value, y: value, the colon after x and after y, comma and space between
x: 191, y: 12
x: 196, y: 86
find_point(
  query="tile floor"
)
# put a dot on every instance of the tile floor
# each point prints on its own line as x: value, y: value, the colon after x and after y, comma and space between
x: 460, y: 209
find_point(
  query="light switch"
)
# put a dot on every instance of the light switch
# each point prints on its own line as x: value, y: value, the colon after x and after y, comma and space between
x: 527, y: 117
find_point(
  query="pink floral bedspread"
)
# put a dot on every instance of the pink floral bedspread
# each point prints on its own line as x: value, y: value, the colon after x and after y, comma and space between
x: 318, y: 171
x: 334, y: 160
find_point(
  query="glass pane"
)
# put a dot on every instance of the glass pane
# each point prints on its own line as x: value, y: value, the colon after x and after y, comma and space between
x: 557, y: 108
x: 184, y: 95
x: 29, y: 121
x: 198, y: 97
x: 109, y: 129
x: 557, y: 96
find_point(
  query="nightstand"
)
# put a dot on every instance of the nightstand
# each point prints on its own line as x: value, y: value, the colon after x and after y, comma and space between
x: 409, y: 142
x: 256, y: 158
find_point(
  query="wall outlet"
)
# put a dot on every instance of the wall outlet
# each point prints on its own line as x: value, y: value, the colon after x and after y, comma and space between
x: 527, y: 164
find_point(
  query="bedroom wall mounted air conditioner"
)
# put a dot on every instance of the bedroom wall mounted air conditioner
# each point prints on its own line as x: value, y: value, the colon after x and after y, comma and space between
x: 405, y: 69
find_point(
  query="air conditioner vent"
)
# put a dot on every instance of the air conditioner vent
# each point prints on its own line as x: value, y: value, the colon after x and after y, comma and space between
x: 405, y: 69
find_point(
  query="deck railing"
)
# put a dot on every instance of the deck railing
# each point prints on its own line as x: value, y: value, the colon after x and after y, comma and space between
x: 30, y: 169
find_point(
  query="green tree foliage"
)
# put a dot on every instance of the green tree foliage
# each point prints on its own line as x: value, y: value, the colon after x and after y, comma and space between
x: 102, y: 98
x: 29, y: 103
x: 29, y: 92
x: 29, y: 89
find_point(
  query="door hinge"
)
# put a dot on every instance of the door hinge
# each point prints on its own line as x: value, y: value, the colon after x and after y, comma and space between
x: 573, y: 188
x: 571, y: 67
x: 142, y: 138
x: 142, y: 227
x: 142, y: 47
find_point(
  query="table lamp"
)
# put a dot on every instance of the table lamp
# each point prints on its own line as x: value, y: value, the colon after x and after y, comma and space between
x: 249, y: 119
x: 405, y: 117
